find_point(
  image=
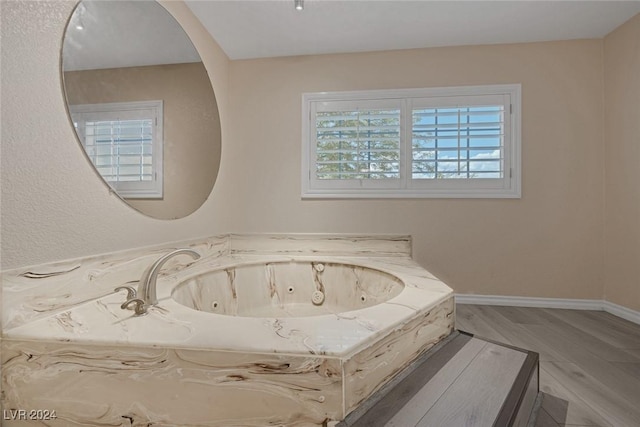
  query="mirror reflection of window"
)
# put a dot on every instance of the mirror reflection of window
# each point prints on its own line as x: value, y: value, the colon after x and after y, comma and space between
x: 124, y: 142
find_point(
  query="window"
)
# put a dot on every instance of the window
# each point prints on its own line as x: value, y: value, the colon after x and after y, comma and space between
x: 442, y: 142
x: 124, y: 142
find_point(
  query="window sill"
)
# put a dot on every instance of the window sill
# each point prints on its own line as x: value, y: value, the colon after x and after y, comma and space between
x: 413, y: 194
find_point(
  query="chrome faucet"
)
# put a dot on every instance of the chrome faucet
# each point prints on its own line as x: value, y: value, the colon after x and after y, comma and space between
x: 147, y: 295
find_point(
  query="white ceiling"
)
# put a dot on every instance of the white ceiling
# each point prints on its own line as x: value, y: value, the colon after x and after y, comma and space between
x: 270, y: 28
x: 135, y: 33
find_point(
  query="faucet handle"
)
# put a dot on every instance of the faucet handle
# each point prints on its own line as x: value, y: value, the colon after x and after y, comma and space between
x: 131, y: 293
x: 140, y: 308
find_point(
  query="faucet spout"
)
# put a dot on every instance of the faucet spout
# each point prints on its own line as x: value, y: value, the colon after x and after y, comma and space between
x: 147, y: 289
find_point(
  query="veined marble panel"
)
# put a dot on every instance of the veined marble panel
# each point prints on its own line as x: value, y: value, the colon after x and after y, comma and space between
x: 320, y: 244
x: 91, y: 385
x: 31, y: 293
x: 176, y: 325
x: 123, y: 386
x: 35, y: 292
x: 371, y: 368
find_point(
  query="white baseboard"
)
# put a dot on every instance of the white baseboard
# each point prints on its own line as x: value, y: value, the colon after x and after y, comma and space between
x: 621, y: 311
x: 574, y: 304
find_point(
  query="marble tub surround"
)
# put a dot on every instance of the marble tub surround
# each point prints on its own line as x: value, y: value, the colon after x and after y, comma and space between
x: 97, y: 384
x: 300, y: 369
x: 136, y: 386
x: 33, y: 292
x: 372, y: 367
x: 174, y: 324
x: 320, y: 244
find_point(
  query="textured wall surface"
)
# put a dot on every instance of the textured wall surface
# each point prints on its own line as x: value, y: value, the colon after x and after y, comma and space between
x: 53, y: 205
x: 622, y: 147
x: 546, y: 244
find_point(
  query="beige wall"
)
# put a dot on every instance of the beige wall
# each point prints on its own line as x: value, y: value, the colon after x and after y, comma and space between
x: 547, y: 244
x: 191, y: 126
x: 622, y: 164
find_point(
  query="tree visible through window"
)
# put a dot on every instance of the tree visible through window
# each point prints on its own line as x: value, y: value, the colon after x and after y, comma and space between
x: 442, y: 142
x: 358, y: 144
x: 460, y: 142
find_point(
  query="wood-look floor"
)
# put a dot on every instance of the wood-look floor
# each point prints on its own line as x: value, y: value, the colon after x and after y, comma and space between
x: 589, y: 360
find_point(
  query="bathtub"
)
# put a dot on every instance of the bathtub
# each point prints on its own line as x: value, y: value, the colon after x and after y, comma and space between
x: 238, y: 338
x: 287, y: 289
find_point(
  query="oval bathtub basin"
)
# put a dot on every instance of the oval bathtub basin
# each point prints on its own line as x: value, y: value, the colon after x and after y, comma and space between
x: 287, y: 289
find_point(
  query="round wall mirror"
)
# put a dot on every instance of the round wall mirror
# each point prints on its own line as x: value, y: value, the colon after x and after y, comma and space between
x: 142, y: 105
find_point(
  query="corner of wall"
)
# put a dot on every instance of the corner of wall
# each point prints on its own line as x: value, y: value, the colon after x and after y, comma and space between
x: 621, y: 100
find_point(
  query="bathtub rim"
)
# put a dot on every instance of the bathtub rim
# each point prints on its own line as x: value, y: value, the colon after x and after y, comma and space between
x: 406, y: 298
x: 390, y: 315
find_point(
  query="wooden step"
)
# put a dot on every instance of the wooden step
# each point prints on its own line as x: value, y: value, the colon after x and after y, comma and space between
x: 463, y: 381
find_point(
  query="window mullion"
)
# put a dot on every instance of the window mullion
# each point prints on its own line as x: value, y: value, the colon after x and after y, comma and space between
x: 406, y: 138
x: 458, y: 144
x: 436, y: 156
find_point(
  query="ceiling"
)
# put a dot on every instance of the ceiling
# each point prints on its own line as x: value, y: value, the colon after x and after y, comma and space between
x: 135, y: 33
x: 271, y: 28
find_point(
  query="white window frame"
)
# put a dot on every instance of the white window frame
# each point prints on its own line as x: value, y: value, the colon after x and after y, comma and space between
x: 509, y: 186
x: 149, y: 189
